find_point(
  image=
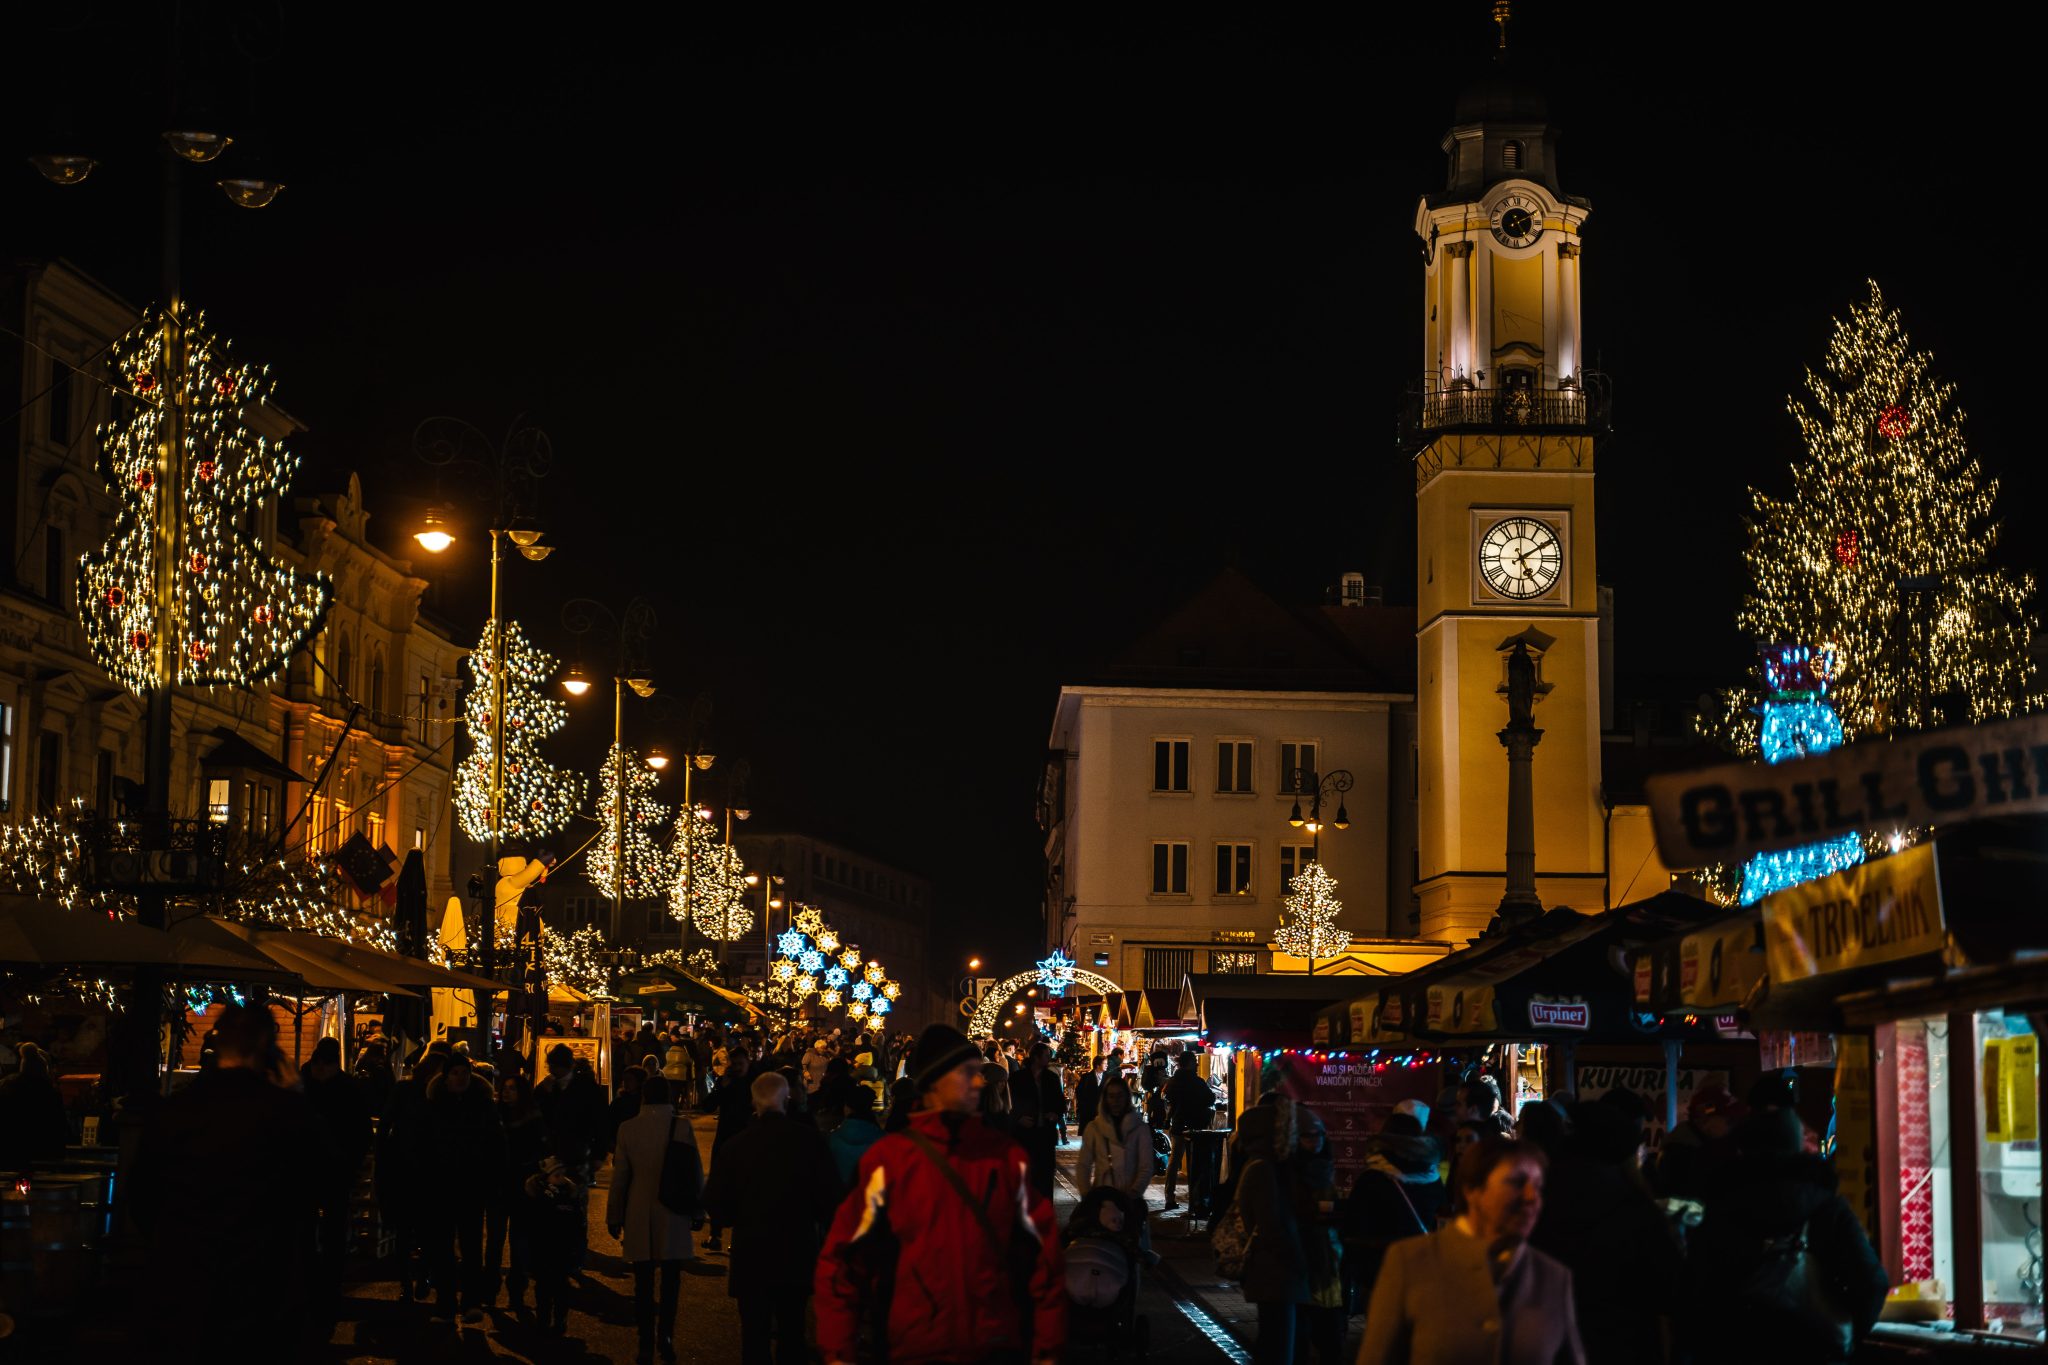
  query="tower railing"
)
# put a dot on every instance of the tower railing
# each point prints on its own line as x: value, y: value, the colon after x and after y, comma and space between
x: 1428, y: 410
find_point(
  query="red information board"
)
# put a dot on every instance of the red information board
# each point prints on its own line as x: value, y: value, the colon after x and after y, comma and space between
x: 1353, y: 1098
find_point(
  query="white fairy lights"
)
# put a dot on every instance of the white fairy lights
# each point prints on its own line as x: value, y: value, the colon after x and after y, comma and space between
x: 539, y: 797
x: 649, y: 868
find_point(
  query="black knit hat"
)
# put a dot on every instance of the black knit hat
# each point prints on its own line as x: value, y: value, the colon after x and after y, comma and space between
x: 939, y: 1049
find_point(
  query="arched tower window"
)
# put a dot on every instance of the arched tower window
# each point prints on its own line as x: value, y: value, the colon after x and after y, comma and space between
x: 343, y: 680
x: 374, y: 699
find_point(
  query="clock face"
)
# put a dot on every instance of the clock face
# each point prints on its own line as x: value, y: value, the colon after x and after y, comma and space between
x: 1517, y: 220
x: 1521, y: 557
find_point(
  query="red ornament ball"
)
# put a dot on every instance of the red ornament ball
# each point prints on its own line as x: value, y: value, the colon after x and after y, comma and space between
x: 1848, y: 548
x: 262, y: 615
x: 145, y: 479
x: 144, y: 382
x: 115, y: 597
x: 199, y: 650
x: 205, y: 470
x: 1893, y: 423
x: 138, y: 640
x: 224, y: 385
x: 197, y: 562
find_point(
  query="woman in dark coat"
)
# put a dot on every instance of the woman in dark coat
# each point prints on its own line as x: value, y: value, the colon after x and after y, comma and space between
x: 1275, y: 1277
x: 1399, y: 1194
x: 465, y: 1161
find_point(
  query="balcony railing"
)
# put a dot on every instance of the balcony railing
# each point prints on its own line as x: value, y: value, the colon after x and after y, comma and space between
x: 1582, y: 409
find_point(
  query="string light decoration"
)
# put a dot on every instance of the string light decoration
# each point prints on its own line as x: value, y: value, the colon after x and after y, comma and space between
x: 1311, y: 908
x: 982, y: 1023
x: 1056, y: 973
x: 1797, y: 721
x: 576, y: 958
x: 649, y: 868
x: 182, y: 592
x: 804, y: 968
x: 710, y: 888
x: 1930, y: 633
x: 539, y: 797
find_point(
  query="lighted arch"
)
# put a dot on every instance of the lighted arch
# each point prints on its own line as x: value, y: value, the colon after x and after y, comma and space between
x: 983, y: 1023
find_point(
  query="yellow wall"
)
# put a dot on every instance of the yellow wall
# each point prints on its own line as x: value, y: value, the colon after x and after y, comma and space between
x: 1518, y: 302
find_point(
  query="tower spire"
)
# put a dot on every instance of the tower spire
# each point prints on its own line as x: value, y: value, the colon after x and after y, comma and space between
x: 1500, y: 17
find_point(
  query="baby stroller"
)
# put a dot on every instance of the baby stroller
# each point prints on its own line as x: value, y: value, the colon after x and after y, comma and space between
x: 1102, y: 1259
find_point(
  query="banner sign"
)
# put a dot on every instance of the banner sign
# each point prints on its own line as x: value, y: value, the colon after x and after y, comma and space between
x: 1879, y: 911
x: 1456, y: 1008
x: 1855, y: 1154
x: 1353, y: 1099
x: 1720, y: 965
x: 1568, y: 1014
x: 1727, y: 813
x: 1595, y: 1080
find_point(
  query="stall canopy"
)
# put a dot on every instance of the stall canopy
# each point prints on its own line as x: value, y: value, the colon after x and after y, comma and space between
x: 1563, y: 975
x: 314, y: 971
x: 34, y: 932
x: 1259, y: 1009
x: 681, y: 992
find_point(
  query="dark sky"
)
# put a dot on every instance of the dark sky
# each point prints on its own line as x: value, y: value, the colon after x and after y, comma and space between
x: 907, y: 367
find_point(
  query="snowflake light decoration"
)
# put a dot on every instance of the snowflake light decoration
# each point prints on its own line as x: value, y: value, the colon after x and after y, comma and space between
x: 829, y: 999
x: 785, y: 971
x: 856, y: 1010
x: 863, y: 991
x: 811, y: 960
x: 879, y: 1007
x: 789, y: 942
x: 809, y: 920
x: 835, y: 977
x: 1056, y: 973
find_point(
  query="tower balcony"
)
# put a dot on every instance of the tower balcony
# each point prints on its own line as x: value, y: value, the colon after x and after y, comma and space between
x: 1428, y: 410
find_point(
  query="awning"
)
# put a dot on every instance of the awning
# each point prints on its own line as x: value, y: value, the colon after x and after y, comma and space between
x: 1259, y: 1009
x: 318, y: 971
x: 679, y: 991
x: 37, y: 933
x: 235, y: 752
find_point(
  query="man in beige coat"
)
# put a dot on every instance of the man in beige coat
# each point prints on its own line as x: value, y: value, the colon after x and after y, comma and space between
x: 650, y: 1234
x: 1477, y: 1293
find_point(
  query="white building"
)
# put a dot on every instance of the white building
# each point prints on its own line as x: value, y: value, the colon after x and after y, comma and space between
x: 1170, y: 782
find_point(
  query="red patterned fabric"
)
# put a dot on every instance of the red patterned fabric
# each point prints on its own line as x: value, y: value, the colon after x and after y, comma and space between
x: 1916, y: 1157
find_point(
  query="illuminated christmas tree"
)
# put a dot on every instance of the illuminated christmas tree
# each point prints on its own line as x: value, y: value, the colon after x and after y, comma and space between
x: 1879, y: 554
x: 649, y: 868
x: 710, y: 888
x: 539, y: 797
x: 1797, y: 721
x: 188, y: 476
x: 1311, y: 907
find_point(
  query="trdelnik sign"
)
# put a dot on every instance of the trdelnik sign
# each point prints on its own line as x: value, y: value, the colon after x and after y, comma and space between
x: 1880, y: 911
x: 1572, y: 1014
x: 1728, y: 813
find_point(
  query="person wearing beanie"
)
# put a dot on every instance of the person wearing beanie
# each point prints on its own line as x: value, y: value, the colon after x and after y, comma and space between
x: 977, y: 1298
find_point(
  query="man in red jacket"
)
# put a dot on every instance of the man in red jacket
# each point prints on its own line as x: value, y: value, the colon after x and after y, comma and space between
x: 944, y: 1220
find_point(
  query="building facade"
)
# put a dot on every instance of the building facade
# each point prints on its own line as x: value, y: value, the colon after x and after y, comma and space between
x: 355, y: 737
x: 1170, y: 783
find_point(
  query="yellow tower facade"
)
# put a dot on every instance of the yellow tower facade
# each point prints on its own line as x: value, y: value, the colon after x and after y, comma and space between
x: 1503, y: 427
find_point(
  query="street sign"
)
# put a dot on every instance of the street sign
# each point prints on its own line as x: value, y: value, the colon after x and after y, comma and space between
x: 966, y: 1007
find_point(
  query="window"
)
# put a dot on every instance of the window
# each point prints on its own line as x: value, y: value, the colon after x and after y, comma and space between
x: 1293, y: 858
x: 316, y: 827
x: 265, y: 811
x: 1233, y: 869
x: 1169, y: 765
x: 342, y: 679
x: 56, y: 567
x: 1234, y: 964
x: 1166, y: 969
x: 1296, y: 755
x: 375, y: 699
x: 1511, y: 156
x: 426, y: 691
x: 60, y: 402
x: 6, y: 757
x: 1169, y: 868
x: 376, y: 831
x: 49, y: 769
x: 220, y: 793
x: 1233, y: 765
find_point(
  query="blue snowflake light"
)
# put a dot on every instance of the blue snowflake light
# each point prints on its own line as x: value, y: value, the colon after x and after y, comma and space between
x: 879, y: 1005
x: 1797, y: 721
x: 863, y: 991
x: 1056, y: 973
x: 835, y: 977
x: 789, y: 942
x: 811, y: 960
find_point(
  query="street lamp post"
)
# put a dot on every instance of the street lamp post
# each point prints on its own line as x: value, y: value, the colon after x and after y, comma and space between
x: 633, y: 627
x: 770, y: 903
x: 509, y: 468
x: 1306, y: 782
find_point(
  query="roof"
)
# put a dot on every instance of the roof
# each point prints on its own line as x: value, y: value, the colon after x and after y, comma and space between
x: 1233, y: 635
x: 235, y: 752
x: 1260, y: 1009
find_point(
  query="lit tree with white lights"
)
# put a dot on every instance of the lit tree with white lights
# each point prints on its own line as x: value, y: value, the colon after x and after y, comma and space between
x: 539, y: 797
x: 710, y: 889
x: 1310, y: 906
x: 649, y: 868
x: 1879, y: 555
x: 229, y: 611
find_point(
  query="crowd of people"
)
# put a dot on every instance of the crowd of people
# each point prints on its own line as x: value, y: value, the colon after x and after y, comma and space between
x: 898, y: 1191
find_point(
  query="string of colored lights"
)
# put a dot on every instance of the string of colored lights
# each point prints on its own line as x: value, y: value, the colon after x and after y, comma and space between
x: 1797, y: 721
x: 1882, y: 548
x: 649, y: 867
x: 539, y: 797
x: 238, y: 612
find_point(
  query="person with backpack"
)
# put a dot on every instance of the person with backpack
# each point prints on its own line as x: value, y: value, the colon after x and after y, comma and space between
x: 944, y: 1238
x: 1189, y: 1103
x: 657, y: 1184
x: 774, y: 1186
x: 1780, y: 1269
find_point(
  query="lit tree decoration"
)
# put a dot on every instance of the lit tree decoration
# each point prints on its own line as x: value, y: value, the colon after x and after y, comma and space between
x: 1798, y: 721
x: 573, y: 960
x: 1882, y: 547
x: 649, y: 867
x: 1311, y: 906
x: 710, y: 888
x: 539, y: 797
x: 231, y: 612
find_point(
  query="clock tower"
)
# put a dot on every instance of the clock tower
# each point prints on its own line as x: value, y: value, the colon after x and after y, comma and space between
x: 1502, y: 427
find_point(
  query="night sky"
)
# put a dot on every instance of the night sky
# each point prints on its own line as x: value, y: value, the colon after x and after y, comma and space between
x: 908, y: 368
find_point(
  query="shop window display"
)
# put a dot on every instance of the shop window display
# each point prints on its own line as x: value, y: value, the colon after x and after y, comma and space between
x: 2009, y: 1171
